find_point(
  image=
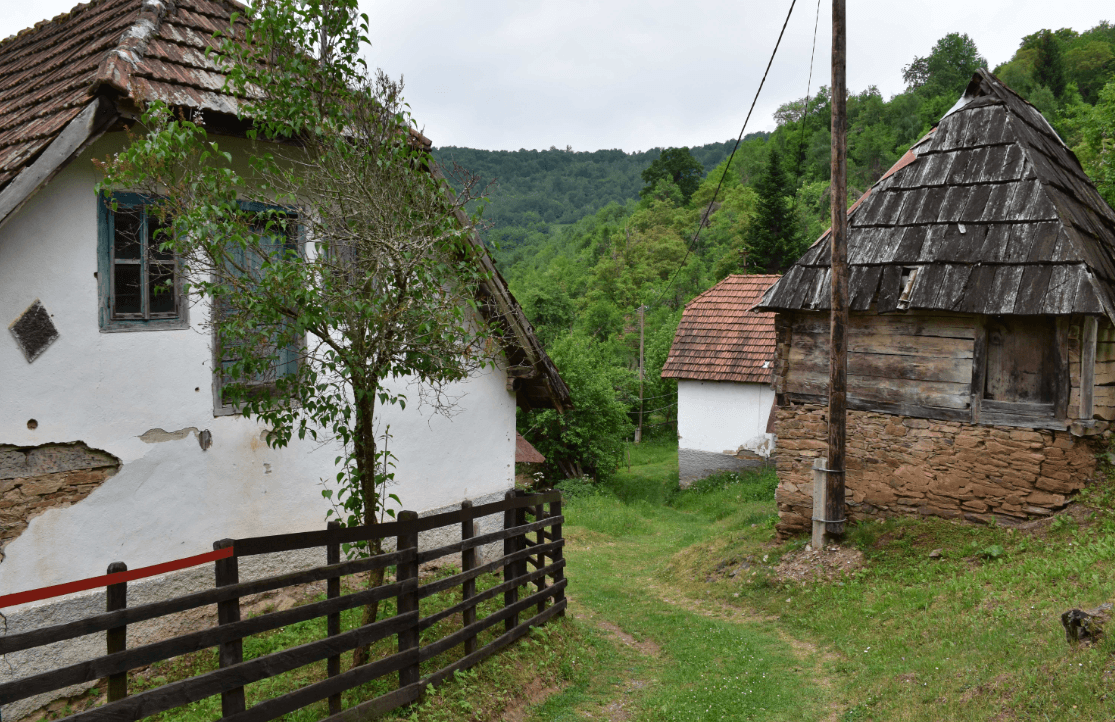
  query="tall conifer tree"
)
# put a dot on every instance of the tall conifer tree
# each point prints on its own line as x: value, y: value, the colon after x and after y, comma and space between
x: 772, y: 238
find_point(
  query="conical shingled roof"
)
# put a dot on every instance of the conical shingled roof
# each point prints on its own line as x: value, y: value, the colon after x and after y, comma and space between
x: 992, y: 208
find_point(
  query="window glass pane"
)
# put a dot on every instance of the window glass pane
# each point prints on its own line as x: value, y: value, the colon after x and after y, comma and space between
x: 279, y: 361
x: 126, y: 242
x: 128, y: 288
x: 155, y: 239
x: 161, y: 288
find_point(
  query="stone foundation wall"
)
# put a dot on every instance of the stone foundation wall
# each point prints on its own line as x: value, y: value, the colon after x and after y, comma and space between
x: 906, y: 466
x: 694, y: 464
x: 34, y: 479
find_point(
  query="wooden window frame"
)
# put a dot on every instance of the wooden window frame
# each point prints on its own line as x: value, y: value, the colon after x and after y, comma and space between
x: 986, y: 412
x: 220, y: 406
x: 109, y: 320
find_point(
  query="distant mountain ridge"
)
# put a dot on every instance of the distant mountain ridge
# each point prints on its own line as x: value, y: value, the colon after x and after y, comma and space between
x: 532, y: 188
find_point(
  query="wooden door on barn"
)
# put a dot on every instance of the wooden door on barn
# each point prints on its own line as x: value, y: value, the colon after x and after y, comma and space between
x: 1022, y: 362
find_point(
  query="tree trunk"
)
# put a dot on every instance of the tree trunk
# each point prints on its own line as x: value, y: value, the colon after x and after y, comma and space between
x: 364, y: 445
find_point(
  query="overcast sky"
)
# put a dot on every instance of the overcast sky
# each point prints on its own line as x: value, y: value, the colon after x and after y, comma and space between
x: 637, y: 74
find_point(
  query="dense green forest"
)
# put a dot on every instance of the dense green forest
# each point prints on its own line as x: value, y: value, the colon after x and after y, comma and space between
x: 586, y: 239
x: 530, y: 190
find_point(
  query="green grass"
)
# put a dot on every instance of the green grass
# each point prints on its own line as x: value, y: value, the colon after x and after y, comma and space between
x: 974, y: 635
x: 660, y: 629
x: 620, y: 541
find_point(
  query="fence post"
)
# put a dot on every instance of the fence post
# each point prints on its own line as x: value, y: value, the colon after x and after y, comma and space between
x: 408, y: 601
x: 333, y: 622
x: 468, y: 562
x: 116, y: 639
x: 540, y: 539
x: 509, y: 568
x: 558, y: 554
x: 521, y: 539
x: 227, y: 571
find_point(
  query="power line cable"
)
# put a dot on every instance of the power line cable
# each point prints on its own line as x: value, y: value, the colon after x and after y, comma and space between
x: 805, y: 113
x: 708, y: 211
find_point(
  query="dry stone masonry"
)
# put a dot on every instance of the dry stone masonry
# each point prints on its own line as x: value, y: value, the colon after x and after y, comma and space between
x: 34, y: 479
x: 901, y: 466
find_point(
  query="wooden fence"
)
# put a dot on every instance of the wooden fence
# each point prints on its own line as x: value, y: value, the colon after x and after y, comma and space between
x: 525, y: 542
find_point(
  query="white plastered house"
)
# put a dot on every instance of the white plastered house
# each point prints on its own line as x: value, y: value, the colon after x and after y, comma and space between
x: 114, y: 443
x: 721, y: 357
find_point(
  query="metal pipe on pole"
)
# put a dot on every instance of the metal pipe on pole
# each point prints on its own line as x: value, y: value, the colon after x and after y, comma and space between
x: 639, y: 429
x: 838, y: 348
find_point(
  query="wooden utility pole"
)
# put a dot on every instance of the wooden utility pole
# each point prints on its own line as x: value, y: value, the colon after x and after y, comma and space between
x: 838, y: 358
x: 639, y: 430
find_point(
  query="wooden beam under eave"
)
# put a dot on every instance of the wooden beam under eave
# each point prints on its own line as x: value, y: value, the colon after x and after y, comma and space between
x: 1088, y: 367
x: 1062, y: 375
x: 979, y: 368
x: 86, y: 127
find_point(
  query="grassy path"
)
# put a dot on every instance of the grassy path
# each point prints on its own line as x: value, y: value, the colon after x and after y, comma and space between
x: 679, y: 612
x: 685, y: 658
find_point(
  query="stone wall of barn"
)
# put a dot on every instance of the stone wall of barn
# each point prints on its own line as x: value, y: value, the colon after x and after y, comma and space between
x: 901, y: 466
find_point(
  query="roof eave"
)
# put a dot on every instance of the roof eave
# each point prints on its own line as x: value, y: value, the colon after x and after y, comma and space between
x: 89, y: 125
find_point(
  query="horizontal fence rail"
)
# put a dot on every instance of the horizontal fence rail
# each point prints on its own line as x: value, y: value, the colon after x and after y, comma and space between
x: 532, y: 591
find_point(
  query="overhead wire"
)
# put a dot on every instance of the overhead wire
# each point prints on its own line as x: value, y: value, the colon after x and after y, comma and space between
x: 805, y: 111
x: 739, y: 139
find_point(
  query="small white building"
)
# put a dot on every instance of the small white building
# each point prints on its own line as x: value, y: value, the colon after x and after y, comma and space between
x: 114, y: 441
x: 722, y: 356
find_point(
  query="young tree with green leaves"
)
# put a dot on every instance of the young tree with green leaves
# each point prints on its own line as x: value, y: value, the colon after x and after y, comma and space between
x: 948, y: 67
x: 337, y: 264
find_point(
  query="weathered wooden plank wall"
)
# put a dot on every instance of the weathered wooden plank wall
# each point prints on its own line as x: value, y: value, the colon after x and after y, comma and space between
x: 919, y: 359
x: 1103, y: 395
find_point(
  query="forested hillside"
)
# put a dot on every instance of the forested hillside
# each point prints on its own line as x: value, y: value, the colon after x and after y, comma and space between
x: 586, y: 239
x: 532, y: 189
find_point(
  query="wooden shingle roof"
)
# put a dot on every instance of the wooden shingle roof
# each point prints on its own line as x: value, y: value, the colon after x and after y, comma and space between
x: 720, y: 338
x: 993, y: 210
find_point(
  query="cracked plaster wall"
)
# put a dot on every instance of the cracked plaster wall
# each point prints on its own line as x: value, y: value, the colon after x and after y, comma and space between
x: 132, y: 394
x: 38, y: 478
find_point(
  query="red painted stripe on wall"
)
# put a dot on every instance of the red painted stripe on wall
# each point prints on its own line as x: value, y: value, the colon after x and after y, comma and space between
x: 57, y: 590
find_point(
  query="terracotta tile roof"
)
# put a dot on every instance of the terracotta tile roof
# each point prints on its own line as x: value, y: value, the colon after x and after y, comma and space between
x: 720, y: 338
x: 525, y: 453
x: 143, y: 49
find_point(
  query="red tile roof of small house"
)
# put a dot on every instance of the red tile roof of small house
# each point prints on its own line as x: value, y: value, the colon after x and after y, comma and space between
x: 720, y: 338
x: 525, y: 453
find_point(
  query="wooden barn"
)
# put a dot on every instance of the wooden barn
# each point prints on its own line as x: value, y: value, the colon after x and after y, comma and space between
x: 981, y: 343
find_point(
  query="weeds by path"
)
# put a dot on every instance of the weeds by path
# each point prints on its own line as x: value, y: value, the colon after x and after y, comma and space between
x: 621, y: 538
